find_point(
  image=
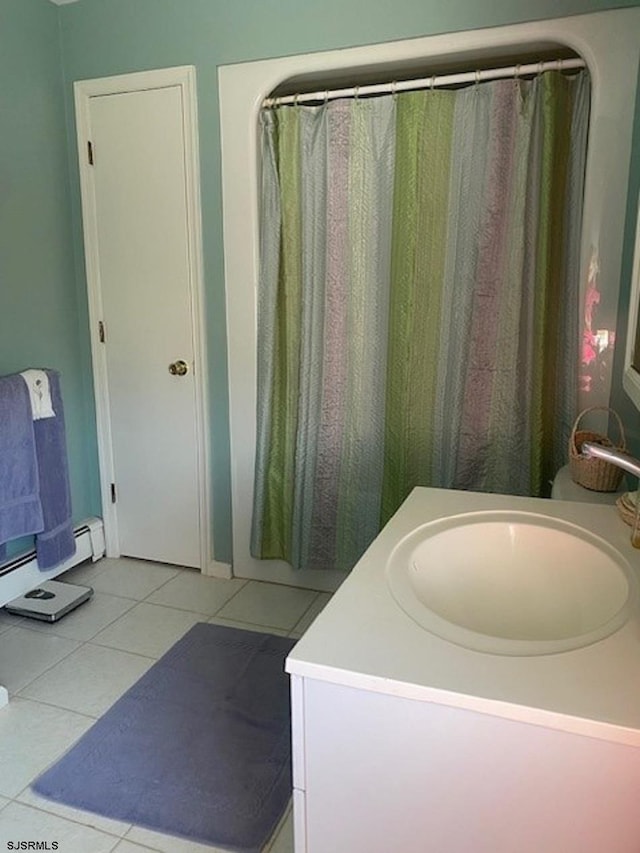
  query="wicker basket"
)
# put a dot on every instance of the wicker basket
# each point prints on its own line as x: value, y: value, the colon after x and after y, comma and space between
x: 588, y: 471
x: 627, y: 508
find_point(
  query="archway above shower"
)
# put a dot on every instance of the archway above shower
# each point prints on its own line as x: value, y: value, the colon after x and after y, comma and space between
x: 242, y: 90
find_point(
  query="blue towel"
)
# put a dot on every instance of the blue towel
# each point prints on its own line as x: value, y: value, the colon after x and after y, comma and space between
x: 20, y: 506
x: 56, y: 542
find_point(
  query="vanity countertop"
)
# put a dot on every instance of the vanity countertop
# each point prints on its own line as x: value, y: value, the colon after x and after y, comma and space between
x: 363, y: 639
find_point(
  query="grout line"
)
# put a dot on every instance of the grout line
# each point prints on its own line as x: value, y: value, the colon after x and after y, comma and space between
x: 81, y: 644
x: 52, y: 631
x: 311, y: 603
x: 62, y: 708
x: 121, y: 651
x: 233, y: 595
x: 176, y: 571
x: 12, y: 620
x: 10, y: 629
x: 163, y: 584
x: 78, y: 643
x: 136, y: 844
x: 189, y: 609
x: 279, y: 828
x: 57, y: 708
x: 97, y: 566
x: 118, y: 838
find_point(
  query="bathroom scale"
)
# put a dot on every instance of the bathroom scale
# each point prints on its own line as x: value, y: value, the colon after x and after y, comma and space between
x: 50, y: 601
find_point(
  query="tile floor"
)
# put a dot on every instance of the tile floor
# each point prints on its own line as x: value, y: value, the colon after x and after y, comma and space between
x: 61, y: 677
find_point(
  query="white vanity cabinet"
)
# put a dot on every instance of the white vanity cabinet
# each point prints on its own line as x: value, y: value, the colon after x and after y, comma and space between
x: 378, y: 774
x: 405, y: 742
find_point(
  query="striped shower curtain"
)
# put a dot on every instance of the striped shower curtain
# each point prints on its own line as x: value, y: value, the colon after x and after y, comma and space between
x: 418, y: 305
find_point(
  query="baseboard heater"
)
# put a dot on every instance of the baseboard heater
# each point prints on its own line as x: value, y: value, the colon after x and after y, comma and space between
x: 20, y: 574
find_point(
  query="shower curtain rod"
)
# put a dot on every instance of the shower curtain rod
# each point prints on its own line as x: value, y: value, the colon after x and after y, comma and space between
x: 436, y: 81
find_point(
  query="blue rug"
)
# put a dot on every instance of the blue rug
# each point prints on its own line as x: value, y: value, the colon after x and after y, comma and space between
x: 199, y: 747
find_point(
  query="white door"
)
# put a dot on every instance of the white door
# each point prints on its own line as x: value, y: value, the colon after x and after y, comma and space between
x: 138, y: 227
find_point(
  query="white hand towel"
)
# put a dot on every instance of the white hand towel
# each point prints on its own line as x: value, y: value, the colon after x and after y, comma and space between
x: 39, y: 392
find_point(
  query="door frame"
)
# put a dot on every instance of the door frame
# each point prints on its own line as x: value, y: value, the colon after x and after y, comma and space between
x: 183, y: 77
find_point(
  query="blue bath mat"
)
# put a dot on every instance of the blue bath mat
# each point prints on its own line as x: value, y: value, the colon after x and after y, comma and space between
x: 199, y: 747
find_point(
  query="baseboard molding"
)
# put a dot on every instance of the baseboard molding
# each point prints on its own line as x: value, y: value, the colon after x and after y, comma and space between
x: 216, y: 569
x: 21, y: 573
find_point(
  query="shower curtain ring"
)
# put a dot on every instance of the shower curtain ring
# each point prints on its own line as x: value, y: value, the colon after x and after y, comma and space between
x: 516, y: 75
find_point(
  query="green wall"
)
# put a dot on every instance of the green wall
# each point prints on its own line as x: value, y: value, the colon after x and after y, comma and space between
x: 102, y: 37
x: 39, y: 324
x: 105, y: 37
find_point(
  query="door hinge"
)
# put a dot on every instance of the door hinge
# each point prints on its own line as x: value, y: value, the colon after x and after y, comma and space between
x: 113, y: 493
x: 90, y: 152
x: 101, y: 335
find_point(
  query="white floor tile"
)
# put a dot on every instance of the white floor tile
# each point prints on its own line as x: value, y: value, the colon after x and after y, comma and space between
x: 8, y: 620
x: 283, y: 840
x: 86, y: 573
x: 33, y: 736
x: 85, y: 621
x: 19, y: 822
x: 129, y: 847
x: 64, y: 685
x: 88, y: 681
x: 268, y: 604
x: 132, y: 578
x: 168, y: 843
x: 25, y: 654
x: 147, y: 629
x: 104, y: 824
x: 196, y: 592
x: 316, y: 608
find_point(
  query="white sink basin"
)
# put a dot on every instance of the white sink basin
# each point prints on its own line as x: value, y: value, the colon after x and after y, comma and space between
x: 511, y: 583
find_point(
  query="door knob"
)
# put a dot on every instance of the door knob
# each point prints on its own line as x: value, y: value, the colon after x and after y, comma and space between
x: 178, y: 368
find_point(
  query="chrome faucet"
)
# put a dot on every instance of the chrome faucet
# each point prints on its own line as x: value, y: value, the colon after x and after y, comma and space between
x: 615, y: 457
x: 627, y: 463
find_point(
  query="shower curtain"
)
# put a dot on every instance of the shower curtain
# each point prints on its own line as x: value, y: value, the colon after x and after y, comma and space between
x: 418, y: 304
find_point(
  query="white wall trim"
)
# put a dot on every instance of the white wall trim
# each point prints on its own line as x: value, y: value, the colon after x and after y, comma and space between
x: 631, y: 377
x: 242, y: 89
x: 21, y: 573
x: 185, y: 78
x: 216, y: 569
